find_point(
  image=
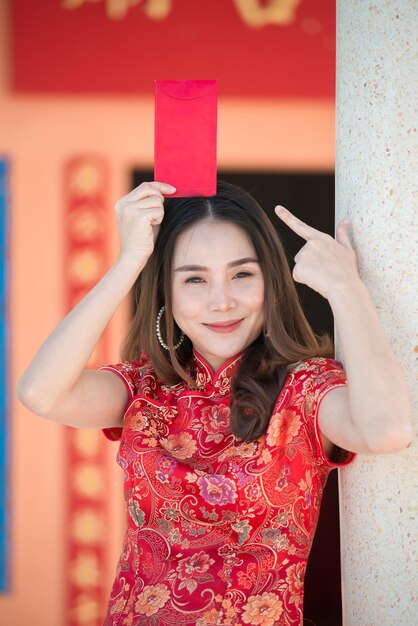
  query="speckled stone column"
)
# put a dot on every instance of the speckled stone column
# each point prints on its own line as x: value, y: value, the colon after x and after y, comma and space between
x: 376, y: 189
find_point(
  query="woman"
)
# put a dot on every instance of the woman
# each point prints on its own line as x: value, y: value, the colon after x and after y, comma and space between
x: 231, y: 413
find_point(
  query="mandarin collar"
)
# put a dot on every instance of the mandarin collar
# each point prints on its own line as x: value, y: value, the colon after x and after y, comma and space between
x: 208, y: 380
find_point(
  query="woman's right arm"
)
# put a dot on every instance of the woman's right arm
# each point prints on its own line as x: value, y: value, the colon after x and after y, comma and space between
x: 55, y: 385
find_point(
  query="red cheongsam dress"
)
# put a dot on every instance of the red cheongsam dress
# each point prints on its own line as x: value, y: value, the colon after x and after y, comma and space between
x: 218, y: 531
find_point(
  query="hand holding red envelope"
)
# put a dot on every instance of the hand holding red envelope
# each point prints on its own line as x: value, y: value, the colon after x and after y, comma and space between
x: 185, y: 135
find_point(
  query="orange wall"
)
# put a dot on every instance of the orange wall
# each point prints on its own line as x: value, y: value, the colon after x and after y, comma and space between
x: 38, y: 135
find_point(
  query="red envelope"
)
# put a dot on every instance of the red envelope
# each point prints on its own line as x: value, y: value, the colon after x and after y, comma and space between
x: 185, y: 135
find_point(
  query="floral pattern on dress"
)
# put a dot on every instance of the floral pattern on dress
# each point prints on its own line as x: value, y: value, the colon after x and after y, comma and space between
x: 219, y: 531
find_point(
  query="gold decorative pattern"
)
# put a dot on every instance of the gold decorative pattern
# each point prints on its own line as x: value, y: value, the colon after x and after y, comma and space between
x: 86, y: 223
x: 86, y: 610
x: 88, y: 480
x: 84, y: 266
x: 86, y: 442
x: 84, y: 570
x: 87, y: 179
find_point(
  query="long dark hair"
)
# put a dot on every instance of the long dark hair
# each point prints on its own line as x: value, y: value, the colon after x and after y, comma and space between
x: 287, y: 337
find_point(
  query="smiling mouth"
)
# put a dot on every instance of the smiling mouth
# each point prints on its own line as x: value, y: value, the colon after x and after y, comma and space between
x: 224, y: 327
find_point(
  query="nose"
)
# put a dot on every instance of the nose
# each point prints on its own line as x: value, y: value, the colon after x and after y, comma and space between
x: 221, y: 298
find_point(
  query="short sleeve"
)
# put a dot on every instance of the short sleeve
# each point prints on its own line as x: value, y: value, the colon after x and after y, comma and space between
x: 324, y: 375
x: 130, y: 372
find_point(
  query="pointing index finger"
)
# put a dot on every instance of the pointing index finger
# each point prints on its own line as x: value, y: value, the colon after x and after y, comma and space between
x: 295, y: 224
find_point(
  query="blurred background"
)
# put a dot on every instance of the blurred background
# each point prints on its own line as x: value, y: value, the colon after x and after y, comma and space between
x: 76, y: 133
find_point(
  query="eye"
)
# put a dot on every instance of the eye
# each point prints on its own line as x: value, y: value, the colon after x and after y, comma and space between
x: 242, y: 275
x: 194, y: 279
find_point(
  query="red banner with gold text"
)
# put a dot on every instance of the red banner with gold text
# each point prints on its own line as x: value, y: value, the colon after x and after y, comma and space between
x: 256, y: 48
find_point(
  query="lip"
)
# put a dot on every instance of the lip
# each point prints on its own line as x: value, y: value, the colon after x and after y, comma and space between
x: 224, y: 327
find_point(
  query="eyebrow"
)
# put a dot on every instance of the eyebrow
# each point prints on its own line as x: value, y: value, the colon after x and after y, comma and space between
x: 202, y: 268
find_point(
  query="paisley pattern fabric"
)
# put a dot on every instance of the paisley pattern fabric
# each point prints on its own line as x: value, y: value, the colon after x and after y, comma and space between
x: 219, y: 531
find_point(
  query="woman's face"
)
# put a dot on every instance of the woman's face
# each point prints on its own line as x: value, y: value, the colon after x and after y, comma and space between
x: 218, y: 289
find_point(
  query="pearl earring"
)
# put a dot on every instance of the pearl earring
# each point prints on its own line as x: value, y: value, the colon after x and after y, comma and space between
x: 158, y: 331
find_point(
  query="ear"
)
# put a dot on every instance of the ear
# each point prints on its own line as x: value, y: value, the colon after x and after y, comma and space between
x: 342, y: 234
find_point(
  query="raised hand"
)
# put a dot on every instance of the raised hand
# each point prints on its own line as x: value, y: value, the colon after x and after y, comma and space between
x: 324, y: 264
x: 139, y: 215
x: 92, y: 399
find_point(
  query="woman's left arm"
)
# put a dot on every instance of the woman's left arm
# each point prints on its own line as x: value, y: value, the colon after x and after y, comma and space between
x: 373, y: 413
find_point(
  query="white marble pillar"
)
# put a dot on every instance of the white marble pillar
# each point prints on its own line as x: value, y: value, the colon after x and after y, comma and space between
x: 376, y: 188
